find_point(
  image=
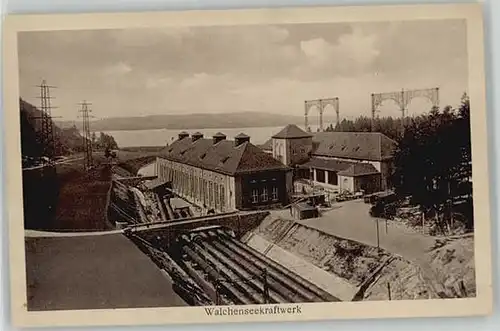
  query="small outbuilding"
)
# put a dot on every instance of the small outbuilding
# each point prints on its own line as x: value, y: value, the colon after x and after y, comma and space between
x: 304, y: 210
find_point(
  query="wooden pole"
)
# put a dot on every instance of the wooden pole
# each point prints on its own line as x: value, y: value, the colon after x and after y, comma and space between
x: 423, y: 222
x: 217, y: 292
x: 265, y: 287
x: 386, y: 229
x: 378, y: 236
x: 463, y: 290
x: 389, y: 290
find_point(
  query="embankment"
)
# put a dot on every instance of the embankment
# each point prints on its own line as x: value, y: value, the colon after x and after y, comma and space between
x: 347, y: 269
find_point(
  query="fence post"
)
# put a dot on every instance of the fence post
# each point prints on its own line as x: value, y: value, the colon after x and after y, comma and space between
x: 389, y: 290
x: 378, y: 235
x: 423, y: 222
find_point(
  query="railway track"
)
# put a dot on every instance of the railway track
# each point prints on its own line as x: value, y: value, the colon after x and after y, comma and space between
x: 231, y: 272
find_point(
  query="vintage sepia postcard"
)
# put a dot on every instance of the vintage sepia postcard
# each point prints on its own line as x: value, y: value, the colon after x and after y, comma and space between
x: 284, y: 164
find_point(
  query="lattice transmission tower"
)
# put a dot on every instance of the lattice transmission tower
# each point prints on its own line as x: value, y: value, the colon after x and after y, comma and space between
x: 402, y: 99
x: 87, y: 140
x: 46, y: 137
x: 320, y: 104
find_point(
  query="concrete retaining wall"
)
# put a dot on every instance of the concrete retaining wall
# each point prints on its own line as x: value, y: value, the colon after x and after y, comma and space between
x: 169, y: 231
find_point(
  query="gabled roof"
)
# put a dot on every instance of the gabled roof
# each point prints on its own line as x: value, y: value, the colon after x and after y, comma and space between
x: 292, y: 131
x: 267, y: 146
x: 241, y: 135
x: 326, y: 164
x: 371, y: 146
x: 342, y: 168
x: 359, y: 169
x: 224, y: 157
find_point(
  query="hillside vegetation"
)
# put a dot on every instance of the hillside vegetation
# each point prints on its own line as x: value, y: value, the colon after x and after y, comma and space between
x: 68, y: 140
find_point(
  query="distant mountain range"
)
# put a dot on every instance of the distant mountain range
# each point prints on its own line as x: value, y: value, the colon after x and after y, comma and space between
x: 194, y: 121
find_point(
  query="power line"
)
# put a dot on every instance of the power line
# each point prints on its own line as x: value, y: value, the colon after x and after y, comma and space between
x: 87, y: 141
x: 46, y: 137
x: 402, y: 99
x: 321, y: 104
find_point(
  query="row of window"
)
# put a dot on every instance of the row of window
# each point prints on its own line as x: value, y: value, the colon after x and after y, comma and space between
x: 321, y: 177
x: 209, y: 193
x: 262, y: 195
x: 295, y: 151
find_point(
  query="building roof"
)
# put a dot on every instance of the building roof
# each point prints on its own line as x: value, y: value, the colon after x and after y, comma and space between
x: 371, y: 146
x: 292, y: 131
x: 327, y: 164
x: 343, y: 168
x: 267, y: 146
x: 156, y: 183
x: 223, y: 157
x: 359, y: 169
x: 303, y: 206
x: 178, y: 203
x: 241, y: 135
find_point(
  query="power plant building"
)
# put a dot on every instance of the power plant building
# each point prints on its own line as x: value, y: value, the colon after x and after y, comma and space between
x: 340, y: 161
x: 224, y: 175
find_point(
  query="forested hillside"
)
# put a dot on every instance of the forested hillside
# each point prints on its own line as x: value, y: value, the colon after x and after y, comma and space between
x: 67, y: 140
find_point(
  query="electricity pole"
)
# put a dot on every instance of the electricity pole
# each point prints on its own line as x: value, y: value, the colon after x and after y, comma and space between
x: 87, y: 141
x: 46, y: 136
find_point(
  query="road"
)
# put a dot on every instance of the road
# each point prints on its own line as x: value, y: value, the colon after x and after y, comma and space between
x: 93, y: 272
x: 351, y: 220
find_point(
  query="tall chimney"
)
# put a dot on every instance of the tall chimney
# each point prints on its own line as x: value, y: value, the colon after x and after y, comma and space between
x: 197, y: 135
x: 183, y: 135
x: 240, y: 139
x: 218, y: 137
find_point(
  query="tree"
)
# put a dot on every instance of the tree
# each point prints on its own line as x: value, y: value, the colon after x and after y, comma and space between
x: 107, y: 141
x: 433, y: 160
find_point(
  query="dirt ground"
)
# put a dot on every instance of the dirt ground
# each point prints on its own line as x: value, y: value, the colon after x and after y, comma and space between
x: 82, y: 199
x: 453, y: 264
x: 82, y: 196
x: 343, y: 242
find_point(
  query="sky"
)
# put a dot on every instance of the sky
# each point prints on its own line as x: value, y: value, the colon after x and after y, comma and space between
x: 265, y: 68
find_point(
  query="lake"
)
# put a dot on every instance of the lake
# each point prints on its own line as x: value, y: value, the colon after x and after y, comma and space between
x: 161, y: 137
